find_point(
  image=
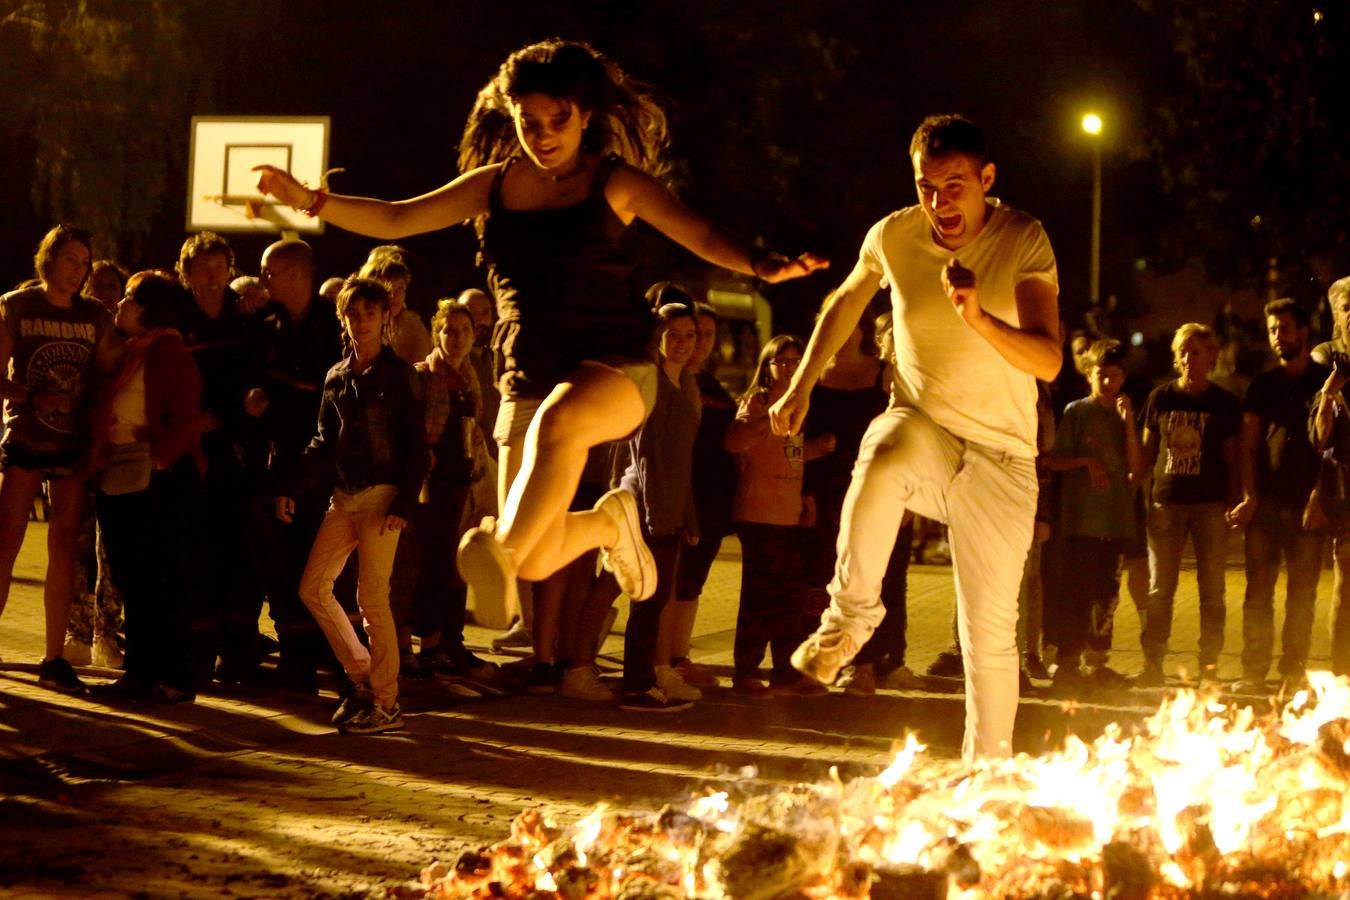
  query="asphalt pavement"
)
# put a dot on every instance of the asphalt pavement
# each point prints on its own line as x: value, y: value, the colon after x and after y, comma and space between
x: 255, y: 795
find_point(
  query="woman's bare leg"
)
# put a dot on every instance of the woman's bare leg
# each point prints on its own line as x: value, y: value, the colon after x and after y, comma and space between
x: 682, y: 615
x: 63, y: 531
x: 508, y: 467
x: 547, y: 597
x: 665, y: 638
x: 597, y: 404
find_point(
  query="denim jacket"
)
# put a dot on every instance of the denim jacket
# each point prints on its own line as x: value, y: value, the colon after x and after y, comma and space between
x: 371, y: 431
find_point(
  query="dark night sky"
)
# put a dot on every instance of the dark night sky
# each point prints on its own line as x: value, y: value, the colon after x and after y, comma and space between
x: 831, y: 92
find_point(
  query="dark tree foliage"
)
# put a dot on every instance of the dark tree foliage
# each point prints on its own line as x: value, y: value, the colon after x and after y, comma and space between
x: 95, y: 98
x: 1253, y: 143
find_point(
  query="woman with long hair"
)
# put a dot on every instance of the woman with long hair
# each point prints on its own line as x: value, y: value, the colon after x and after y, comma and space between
x: 714, y: 488
x: 561, y: 152
x: 50, y: 338
x: 660, y: 475
x: 769, y: 515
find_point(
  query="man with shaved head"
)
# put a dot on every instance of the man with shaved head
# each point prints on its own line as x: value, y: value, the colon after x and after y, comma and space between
x: 304, y: 340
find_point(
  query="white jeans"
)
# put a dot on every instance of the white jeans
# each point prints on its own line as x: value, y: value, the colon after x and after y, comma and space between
x: 354, y: 522
x: 988, y: 500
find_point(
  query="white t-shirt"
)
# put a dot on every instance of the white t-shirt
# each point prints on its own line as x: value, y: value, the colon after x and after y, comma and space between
x: 942, y: 366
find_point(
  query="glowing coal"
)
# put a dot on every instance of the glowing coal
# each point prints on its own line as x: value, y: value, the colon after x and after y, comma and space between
x: 1208, y: 800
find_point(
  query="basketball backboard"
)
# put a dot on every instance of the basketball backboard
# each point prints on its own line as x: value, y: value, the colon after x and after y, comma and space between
x: 222, y: 186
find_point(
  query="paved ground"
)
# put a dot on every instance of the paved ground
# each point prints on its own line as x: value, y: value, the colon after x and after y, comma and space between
x: 256, y: 796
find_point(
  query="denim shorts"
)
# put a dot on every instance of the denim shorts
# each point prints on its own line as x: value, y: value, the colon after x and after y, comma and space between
x: 52, y: 464
x: 516, y: 413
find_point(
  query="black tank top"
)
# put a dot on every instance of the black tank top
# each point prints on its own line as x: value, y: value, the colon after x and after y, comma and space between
x: 565, y: 287
x: 845, y: 413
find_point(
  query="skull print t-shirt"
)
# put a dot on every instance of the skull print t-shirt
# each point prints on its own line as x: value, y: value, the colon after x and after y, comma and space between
x: 53, y: 353
x: 1192, y: 430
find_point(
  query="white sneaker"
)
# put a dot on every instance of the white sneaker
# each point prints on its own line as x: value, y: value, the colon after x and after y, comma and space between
x: 107, y: 654
x: 629, y: 559
x: 77, y: 653
x: 517, y: 636
x: 822, y: 655
x: 583, y: 683
x: 673, y: 685
x: 486, y: 566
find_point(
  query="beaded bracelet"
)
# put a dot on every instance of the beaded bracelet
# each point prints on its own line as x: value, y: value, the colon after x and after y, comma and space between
x: 320, y: 198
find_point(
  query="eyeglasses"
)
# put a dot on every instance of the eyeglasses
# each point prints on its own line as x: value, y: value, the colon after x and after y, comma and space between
x: 786, y: 362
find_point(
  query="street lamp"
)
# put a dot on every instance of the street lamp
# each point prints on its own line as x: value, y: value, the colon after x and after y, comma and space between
x: 1092, y: 124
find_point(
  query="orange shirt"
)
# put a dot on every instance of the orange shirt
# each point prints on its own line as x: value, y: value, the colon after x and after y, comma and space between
x: 769, y: 469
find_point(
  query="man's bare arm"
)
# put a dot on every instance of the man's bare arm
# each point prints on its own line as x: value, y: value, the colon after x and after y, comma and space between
x: 838, y: 317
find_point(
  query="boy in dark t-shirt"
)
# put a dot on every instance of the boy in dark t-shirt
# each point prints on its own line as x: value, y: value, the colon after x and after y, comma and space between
x: 1190, y: 431
x: 1097, y: 449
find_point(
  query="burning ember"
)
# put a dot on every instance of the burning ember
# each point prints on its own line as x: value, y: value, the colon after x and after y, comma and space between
x: 1209, y: 801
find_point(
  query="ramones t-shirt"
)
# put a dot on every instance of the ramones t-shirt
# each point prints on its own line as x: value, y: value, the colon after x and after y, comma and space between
x: 53, y: 353
x: 1191, y: 429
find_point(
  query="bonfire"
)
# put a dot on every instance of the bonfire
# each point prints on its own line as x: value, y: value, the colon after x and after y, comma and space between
x: 1207, y: 800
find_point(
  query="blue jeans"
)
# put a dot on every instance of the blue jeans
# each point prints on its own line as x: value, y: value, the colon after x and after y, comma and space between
x: 1272, y: 534
x: 1168, y: 526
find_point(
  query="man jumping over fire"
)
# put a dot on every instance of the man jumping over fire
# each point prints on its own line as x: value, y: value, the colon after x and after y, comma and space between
x: 974, y: 293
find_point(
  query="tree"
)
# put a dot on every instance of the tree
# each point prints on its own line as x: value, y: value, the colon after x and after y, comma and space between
x: 1252, y: 143
x: 98, y: 96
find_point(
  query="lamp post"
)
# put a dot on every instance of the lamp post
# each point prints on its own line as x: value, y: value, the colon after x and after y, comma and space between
x: 1092, y: 124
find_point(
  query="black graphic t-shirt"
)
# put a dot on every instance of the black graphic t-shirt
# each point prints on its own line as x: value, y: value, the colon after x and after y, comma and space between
x: 1191, y: 430
x: 53, y: 353
x: 1287, y: 464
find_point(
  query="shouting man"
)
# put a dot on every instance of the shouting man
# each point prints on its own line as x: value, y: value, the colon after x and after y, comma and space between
x: 975, y: 297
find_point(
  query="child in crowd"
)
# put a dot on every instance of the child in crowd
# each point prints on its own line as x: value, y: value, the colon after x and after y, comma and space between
x: 1097, y: 449
x: 769, y: 513
x: 1191, y: 428
x: 371, y: 442
x: 407, y: 335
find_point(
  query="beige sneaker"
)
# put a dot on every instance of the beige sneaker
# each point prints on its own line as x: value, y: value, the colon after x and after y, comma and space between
x: 77, y: 653
x: 673, y: 685
x: 629, y: 559
x: 697, y: 675
x: 822, y: 655
x: 107, y: 654
x: 486, y: 566
x: 583, y: 683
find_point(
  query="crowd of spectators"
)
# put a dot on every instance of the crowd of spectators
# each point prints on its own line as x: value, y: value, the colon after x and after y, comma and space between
x: 210, y: 444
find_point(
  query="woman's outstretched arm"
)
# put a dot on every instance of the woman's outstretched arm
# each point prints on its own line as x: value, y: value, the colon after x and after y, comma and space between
x: 461, y: 199
x: 633, y: 193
